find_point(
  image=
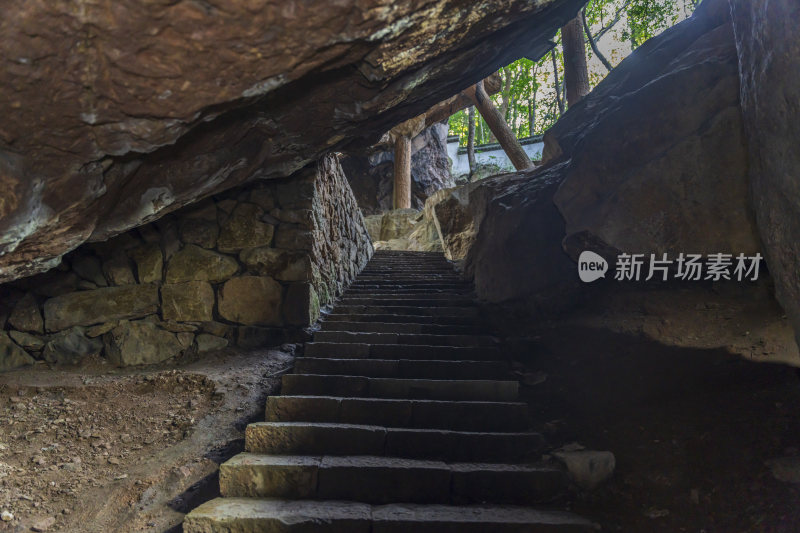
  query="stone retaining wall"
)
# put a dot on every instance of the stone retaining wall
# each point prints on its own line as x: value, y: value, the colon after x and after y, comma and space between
x: 248, y: 267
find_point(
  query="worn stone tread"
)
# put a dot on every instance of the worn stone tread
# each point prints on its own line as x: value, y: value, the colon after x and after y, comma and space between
x: 422, y: 414
x: 405, y: 339
x: 403, y: 368
x: 383, y: 327
x: 251, y: 515
x: 315, y: 438
x: 423, y: 389
x: 442, y: 320
x: 354, y: 350
x: 377, y: 479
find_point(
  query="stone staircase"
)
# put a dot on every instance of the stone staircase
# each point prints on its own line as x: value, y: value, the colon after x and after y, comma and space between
x: 400, y: 417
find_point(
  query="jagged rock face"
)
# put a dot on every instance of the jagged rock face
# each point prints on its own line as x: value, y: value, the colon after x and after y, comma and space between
x: 516, y: 255
x: 372, y: 177
x: 115, y: 114
x: 658, y: 160
x: 768, y: 43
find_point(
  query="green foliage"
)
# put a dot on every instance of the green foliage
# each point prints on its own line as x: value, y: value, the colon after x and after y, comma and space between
x: 648, y: 18
x: 528, y: 95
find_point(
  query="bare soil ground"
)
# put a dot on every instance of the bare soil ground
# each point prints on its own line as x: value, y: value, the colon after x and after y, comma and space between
x: 693, y: 430
x: 97, y: 449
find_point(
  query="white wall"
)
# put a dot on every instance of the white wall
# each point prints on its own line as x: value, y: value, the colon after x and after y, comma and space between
x: 490, y: 154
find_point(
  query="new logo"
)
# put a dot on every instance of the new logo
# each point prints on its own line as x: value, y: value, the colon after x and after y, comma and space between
x: 591, y: 266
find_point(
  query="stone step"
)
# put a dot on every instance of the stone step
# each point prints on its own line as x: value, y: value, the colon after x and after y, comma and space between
x: 381, y: 480
x: 412, y: 290
x: 404, y: 338
x: 405, y: 279
x: 340, y: 350
x: 382, y: 327
x: 400, y: 268
x: 409, y: 293
x: 452, y: 301
x: 388, y: 273
x: 392, y: 285
x: 412, y: 261
x: 417, y: 295
x: 421, y: 414
x: 417, y: 389
x: 250, y: 515
x: 402, y: 368
x: 390, y: 318
x: 317, y: 438
x: 428, y: 310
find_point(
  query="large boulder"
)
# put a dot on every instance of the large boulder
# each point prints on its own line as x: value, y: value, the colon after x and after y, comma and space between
x: 86, y: 308
x: 372, y: 177
x: 26, y: 315
x: 140, y: 342
x: 676, y: 180
x: 244, y: 229
x: 768, y: 44
x: 170, y: 102
x: 252, y: 301
x: 71, y: 346
x: 193, y: 263
x: 11, y: 355
x: 516, y: 256
x: 191, y: 301
x: 405, y: 229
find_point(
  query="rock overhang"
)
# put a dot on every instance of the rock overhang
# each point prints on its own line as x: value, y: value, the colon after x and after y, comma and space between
x: 117, y: 116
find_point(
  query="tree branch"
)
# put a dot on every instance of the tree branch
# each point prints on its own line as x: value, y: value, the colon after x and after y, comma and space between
x: 593, y: 44
x: 611, y: 24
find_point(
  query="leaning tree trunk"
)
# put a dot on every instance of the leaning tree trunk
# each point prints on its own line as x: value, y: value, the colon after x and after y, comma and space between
x: 471, y: 139
x: 576, y: 73
x: 557, y: 83
x: 495, y: 121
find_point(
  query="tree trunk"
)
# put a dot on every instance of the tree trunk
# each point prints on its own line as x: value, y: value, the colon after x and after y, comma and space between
x: 576, y: 73
x: 495, y: 121
x: 532, y: 114
x: 402, y: 172
x: 471, y: 140
x: 506, y: 93
x: 557, y: 83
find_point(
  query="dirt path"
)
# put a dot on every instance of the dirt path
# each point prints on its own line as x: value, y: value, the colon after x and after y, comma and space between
x: 98, y: 449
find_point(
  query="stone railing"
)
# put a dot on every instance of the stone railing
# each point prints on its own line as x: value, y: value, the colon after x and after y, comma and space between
x: 490, y: 154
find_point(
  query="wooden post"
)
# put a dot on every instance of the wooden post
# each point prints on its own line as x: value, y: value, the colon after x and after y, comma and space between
x: 498, y: 125
x: 402, y: 172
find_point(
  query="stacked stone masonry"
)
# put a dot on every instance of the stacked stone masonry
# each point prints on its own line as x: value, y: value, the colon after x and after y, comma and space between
x: 245, y: 267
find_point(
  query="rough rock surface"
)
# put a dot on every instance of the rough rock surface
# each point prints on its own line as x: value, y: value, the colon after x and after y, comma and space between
x: 340, y: 245
x: 405, y: 229
x: 190, y: 298
x: 192, y: 301
x: 11, y: 355
x: 768, y: 43
x: 86, y: 308
x: 71, y: 346
x: 140, y: 342
x: 680, y: 186
x: 123, y: 114
x: 517, y: 254
x: 372, y: 177
x: 251, y: 300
